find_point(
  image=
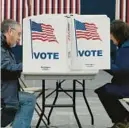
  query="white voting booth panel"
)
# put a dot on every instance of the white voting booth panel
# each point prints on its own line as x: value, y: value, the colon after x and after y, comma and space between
x: 44, y: 44
x: 90, y: 42
x: 51, y: 45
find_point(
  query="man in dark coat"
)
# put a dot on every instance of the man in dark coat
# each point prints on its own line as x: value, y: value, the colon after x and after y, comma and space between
x: 110, y: 93
x: 20, y: 102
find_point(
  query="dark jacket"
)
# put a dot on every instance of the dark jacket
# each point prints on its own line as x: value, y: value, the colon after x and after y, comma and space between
x: 10, y: 72
x: 120, y: 66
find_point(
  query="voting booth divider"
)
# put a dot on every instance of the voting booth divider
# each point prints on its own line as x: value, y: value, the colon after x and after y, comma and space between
x: 66, y: 43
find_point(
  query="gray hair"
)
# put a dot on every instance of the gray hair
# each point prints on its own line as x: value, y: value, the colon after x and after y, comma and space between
x: 9, y: 23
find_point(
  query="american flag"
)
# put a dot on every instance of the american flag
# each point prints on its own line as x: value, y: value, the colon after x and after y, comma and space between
x: 122, y: 10
x: 42, y: 32
x: 86, y: 30
x: 19, y: 9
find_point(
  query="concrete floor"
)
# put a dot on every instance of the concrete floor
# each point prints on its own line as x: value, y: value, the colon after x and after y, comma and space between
x: 64, y: 118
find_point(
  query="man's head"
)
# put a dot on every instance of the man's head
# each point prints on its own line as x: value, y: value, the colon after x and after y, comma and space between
x: 12, y: 30
x: 119, y: 32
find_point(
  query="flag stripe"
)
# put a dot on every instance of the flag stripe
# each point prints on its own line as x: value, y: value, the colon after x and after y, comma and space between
x: 29, y: 3
x: 127, y: 11
x: 6, y: 9
x: 41, y: 6
x: 65, y: 6
x: 71, y: 6
x: 59, y: 6
x: 19, y: 9
x: 122, y: 10
x: 53, y: 6
x: 12, y: 8
x: 47, y: 7
x: 35, y: 7
x: 78, y: 6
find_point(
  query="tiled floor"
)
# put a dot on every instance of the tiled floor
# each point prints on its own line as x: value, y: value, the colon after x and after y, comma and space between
x: 64, y: 118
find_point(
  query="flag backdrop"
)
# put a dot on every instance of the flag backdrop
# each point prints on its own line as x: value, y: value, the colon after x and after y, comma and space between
x: 18, y: 9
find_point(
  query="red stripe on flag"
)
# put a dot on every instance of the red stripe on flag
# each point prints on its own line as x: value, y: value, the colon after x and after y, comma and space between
x: 6, y: 9
x: 121, y: 9
x: 71, y: 6
x: 35, y: 7
x: 127, y: 11
x: 53, y: 7
x: 24, y: 9
x: 18, y: 10
x: 59, y: 6
x: 78, y: 6
x: 47, y: 6
x: 65, y: 6
x: 13, y: 10
x: 41, y: 6
x: 29, y: 4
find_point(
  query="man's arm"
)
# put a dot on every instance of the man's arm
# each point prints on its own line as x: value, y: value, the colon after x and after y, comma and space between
x: 9, y: 70
x: 7, y: 65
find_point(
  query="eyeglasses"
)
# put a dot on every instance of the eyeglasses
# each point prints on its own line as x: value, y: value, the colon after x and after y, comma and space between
x: 19, y: 33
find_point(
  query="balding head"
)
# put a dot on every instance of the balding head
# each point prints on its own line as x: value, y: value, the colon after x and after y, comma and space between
x: 12, y: 30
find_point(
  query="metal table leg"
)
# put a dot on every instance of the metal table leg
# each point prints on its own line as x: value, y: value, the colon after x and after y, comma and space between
x: 74, y: 104
x: 88, y: 106
x: 43, y: 104
x: 54, y: 102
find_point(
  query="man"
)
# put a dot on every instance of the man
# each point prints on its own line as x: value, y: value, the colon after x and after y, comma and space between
x: 23, y: 103
x: 110, y: 93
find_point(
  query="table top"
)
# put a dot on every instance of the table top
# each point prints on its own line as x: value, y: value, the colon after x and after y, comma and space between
x: 87, y: 75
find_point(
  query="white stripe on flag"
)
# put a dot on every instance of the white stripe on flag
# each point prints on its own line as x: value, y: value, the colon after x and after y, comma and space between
x: 2, y: 10
x: 117, y: 15
x: 21, y: 8
x: 68, y: 6
x: 37, y: 11
x: 44, y: 6
x: 32, y: 8
x: 62, y: 5
x: 74, y: 7
x: 15, y: 10
x: 50, y: 6
x: 124, y: 10
x: 9, y: 9
x: 26, y: 6
x: 79, y: 6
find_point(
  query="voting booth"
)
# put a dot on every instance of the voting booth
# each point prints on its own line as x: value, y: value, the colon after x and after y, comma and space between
x: 65, y: 47
x: 66, y: 43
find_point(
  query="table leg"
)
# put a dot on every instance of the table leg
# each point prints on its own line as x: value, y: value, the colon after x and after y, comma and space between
x: 74, y: 104
x: 43, y: 104
x: 54, y: 102
x: 84, y: 96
